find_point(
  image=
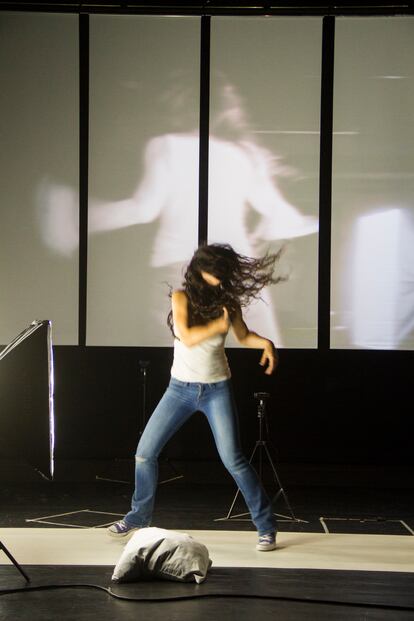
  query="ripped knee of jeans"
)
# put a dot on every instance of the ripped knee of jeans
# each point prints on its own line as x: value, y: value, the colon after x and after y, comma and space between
x: 139, y: 459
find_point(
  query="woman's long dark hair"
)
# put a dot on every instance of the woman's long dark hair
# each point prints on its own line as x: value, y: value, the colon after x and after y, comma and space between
x: 241, y: 280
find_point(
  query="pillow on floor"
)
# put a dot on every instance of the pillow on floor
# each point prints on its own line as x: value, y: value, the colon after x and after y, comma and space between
x: 159, y: 553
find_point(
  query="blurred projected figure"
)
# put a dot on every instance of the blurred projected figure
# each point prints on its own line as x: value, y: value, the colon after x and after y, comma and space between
x: 246, y: 206
x: 382, y: 280
x: 241, y: 179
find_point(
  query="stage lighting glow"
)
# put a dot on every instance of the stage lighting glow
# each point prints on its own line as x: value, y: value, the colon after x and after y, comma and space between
x: 382, y: 249
x: 264, y: 161
x: 39, y: 77
x: 372, y: 284
x: 143, y: 173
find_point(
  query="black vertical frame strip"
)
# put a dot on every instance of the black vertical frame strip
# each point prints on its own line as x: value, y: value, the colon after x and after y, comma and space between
x: 325, y: 183
x: 83, y: 171
x: 204, y: 128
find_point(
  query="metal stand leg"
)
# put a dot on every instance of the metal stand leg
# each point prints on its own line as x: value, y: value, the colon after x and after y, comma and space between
x: 144, y: 366
x: 261, y: 446
x: 143, y: 372
x: 15, y: 563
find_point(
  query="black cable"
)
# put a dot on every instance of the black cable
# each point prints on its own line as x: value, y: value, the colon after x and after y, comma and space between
x: 177, y: 598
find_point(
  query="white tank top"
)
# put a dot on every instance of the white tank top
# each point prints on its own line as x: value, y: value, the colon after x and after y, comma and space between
x: 205, y: 363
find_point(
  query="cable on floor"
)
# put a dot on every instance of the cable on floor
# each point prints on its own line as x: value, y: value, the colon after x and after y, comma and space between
x: 177, y: 598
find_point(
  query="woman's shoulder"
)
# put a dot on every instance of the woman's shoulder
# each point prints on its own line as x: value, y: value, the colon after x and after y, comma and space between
x: 179, y: 295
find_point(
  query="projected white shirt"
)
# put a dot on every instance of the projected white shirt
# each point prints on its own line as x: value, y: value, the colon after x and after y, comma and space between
x: 241, y: 179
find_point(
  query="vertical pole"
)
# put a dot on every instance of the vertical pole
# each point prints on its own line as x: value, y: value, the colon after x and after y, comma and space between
x: 325, y: 183
x: 83, y: 172
x: 204, y: 129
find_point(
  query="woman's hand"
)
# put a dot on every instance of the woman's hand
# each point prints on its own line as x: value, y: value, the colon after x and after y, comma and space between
x: 193, y: 335
x: 269, y: 357
x: 223, y: 322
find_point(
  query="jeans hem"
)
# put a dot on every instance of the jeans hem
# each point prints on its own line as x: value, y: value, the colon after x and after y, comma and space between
x: 132, y: 525
x: 273, y: 531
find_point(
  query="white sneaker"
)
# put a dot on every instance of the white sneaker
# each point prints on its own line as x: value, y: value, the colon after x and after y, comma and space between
x: 121, y: 529
x: 266, y: 542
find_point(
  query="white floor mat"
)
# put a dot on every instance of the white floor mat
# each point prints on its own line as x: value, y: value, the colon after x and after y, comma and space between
x: 92, y: 546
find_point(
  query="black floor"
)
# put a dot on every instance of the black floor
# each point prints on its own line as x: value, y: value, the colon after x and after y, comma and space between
x: 196, y: 496
x: 228, y: 593
x: 367, y: 500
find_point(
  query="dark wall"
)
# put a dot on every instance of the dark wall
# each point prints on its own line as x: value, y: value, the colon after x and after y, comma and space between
x: 335, y: 407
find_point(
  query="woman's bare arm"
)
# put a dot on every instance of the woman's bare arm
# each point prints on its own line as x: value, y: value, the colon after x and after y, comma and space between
x: 248, y: 338
x: 195, y: 334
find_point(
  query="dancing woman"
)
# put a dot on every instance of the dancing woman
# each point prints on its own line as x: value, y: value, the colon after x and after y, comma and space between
x: 218, y: 282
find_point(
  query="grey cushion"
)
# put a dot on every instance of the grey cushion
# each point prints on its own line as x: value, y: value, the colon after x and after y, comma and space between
x: 159, y: 553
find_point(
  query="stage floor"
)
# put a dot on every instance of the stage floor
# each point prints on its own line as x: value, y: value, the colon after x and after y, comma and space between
x: 92, y: 546
x: 349, y: 555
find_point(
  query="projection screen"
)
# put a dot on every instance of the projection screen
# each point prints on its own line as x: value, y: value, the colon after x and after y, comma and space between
x: 143, y: 183
x: 39, y: 164
x: 264, y: 160
x: 372, y: 298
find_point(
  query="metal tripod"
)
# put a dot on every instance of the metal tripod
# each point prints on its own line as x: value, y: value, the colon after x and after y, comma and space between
x: 144, y: 366
x: 15, y: 563
x: 143, y: 375
x: 262, y: 448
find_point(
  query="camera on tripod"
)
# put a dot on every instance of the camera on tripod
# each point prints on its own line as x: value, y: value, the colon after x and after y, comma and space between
x: 261, y: 396
x: 261, y: 447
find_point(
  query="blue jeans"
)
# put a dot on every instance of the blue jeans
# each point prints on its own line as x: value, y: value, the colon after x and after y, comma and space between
x: 179, y: 402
